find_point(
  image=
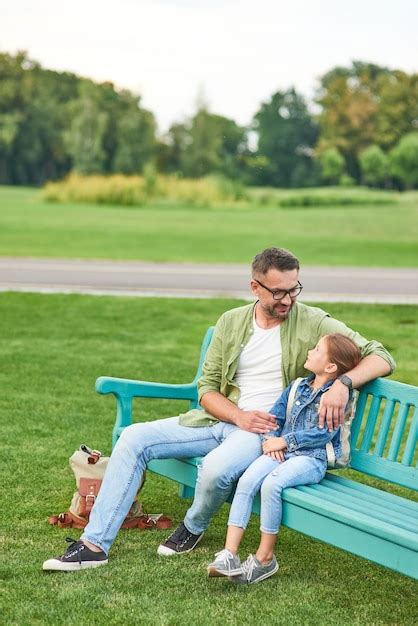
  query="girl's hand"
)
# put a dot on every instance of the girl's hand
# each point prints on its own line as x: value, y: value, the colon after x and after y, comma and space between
x: 273, y: 444
x: 277, y: 455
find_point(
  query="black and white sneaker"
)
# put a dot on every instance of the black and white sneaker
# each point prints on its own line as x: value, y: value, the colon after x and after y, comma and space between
x: 77, y: 557
x: 180, y: 541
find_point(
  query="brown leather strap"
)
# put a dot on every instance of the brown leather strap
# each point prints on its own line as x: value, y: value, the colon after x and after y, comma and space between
x: 94, y: 457
x: 88, y: 490
x: 148, y: 522
x: 143, y: 522
x: 67, y: 520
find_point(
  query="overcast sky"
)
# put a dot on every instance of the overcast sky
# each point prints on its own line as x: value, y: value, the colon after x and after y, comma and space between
x: 236, y: 52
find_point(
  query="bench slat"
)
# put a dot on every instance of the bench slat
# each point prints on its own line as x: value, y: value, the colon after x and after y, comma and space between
x: 398, y: 432
x: 374, y: 509
x: 370, y: 424
x: 306, y: 498
x: 385, y: 469
x: 360, y: 542
x: 395, y: 503
x: 411, y: 442
x: 355, y: 428
x: 384, y: 427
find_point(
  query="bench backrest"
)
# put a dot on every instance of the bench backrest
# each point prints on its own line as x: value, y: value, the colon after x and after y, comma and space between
x: 205, y: 345
x: 384, y: 431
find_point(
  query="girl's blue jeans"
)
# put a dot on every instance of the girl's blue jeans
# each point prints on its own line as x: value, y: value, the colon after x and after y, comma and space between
x: 272, y: 476
x: 227, y: 449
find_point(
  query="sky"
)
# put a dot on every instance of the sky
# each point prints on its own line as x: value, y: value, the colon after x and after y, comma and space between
x: 232, y: 53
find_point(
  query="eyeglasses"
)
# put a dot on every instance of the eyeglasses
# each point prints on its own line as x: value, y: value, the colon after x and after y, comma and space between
x: 279, y: 294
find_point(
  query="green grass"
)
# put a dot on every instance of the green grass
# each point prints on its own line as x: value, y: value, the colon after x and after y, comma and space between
x: 53, y: 348
x: 361, y: 235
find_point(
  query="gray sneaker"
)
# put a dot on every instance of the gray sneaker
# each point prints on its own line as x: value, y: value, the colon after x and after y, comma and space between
x: 254, y: 572
x: 225, y: 564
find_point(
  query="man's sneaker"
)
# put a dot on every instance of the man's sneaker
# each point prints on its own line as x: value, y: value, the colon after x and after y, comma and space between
x: 77, y: 557
x: 225, y: 564
x: 181, y: 540
x: 254, y: 572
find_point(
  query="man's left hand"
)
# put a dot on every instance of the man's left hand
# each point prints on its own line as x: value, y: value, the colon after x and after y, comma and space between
x: 332, y: 406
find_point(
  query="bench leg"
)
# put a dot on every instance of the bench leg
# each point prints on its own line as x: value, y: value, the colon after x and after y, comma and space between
x: 186, y: 492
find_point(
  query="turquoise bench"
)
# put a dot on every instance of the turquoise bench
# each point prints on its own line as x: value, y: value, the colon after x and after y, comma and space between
x: 345, y: 513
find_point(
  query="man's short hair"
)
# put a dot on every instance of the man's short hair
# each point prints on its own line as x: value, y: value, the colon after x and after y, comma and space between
x: 274, y: 258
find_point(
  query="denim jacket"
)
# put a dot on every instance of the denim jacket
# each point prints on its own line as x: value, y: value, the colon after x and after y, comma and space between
x: 300, y: 430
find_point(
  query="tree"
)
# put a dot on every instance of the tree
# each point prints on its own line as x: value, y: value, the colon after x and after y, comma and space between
x: 84, y: 138
x: 201, y: 156
x: 205, y: 144
x: 374, y: 165
x: 286, y: 137
x: 333, y: 165
x: 135, y: 140
x: 404, y: 160
x: 50, y: 121
x: 397, y: 113
x: 362, y: 105
x: 33, y: 114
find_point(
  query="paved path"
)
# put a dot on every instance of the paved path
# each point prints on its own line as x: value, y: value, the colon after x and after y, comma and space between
x: 345, y: 284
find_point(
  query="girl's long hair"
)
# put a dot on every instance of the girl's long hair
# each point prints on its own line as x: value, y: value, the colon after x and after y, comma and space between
x: 343, y: 352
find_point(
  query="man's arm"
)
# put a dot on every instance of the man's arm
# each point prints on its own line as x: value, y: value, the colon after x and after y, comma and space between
x: 226, y: 411
x: 376, y: 361
x: 334, y: 401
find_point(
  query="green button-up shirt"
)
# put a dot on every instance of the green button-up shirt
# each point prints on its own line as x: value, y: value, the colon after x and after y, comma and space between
x: 299, y: 333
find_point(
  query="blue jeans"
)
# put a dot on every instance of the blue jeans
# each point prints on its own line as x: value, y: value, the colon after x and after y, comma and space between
x: 273, y: 477
x: 227, y: 449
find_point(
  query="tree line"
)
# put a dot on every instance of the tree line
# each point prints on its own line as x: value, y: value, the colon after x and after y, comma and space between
x: 364, y: 131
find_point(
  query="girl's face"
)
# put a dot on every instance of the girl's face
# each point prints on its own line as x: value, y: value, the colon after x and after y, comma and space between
x: 318, y: 361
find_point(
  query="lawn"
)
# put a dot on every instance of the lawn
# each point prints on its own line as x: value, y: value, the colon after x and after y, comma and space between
x: 53, y: 348
x: 361, y: 235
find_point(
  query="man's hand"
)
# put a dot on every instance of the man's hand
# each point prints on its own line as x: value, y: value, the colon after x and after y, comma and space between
x: 332, y: 406
x: 272, y: 444
x: 256, y: 421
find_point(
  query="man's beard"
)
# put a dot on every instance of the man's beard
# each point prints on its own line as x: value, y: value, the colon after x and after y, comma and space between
x: 273, y: 311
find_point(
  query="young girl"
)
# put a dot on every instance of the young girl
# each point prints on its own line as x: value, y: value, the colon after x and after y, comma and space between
x: 294, y: 455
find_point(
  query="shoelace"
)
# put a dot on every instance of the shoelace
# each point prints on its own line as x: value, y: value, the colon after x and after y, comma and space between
x: 224, y: 556
x: 180, y: 535
x: 248, y: 567
x: 72, y: 543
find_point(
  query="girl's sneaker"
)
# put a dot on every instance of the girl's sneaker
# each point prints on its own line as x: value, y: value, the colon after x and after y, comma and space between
x: 225, y: 564
x: 254, y: 572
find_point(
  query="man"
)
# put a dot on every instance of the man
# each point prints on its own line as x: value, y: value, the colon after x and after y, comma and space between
x: 256, y: 350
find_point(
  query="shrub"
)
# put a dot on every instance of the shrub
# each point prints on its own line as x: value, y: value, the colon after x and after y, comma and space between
x: 374, y: 165
x: 332, y: 164
x: 335, y: 199
x: 135, y: 190
x: 404, y: 160
x: 346, y: 181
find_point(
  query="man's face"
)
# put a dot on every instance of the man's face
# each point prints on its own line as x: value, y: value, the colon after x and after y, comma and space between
x: 275, y: 280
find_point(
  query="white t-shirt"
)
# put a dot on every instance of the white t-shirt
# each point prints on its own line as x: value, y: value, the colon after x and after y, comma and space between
x: 259, y: 371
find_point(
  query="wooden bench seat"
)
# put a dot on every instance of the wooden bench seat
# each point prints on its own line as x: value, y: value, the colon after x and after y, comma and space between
x: 364, y: 520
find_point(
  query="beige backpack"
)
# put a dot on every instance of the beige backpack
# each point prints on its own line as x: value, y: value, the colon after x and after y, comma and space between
x: 89, y: 467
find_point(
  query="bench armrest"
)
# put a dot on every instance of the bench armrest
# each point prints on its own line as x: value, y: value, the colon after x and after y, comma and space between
x: 125, y: 390
x: 144, y: 389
